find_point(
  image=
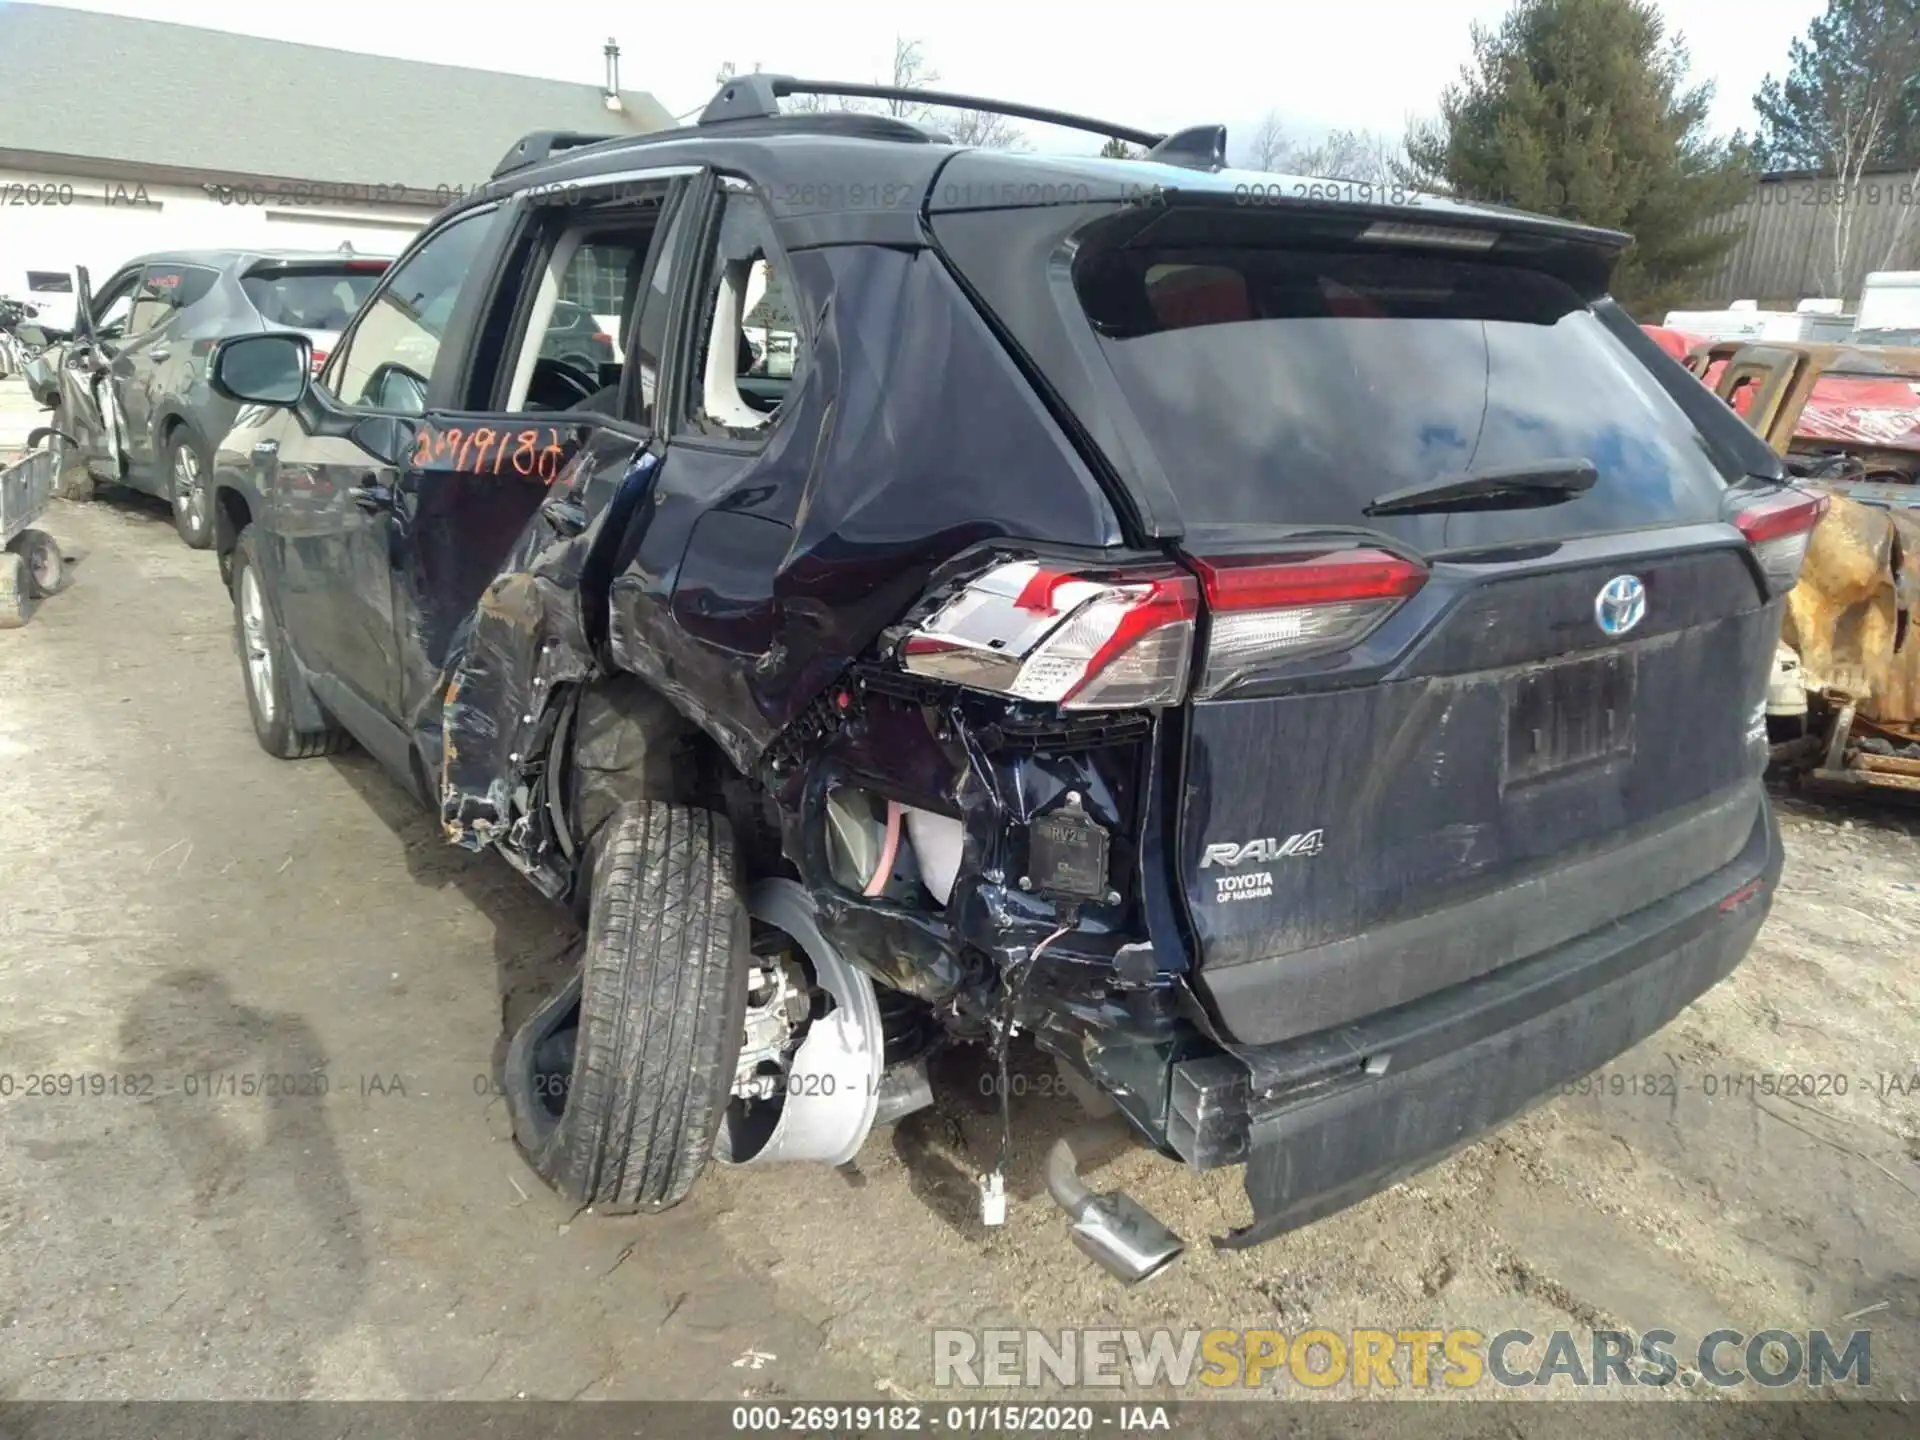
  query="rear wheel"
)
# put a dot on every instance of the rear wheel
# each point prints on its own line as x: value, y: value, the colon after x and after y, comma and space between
x: 268, y: 668
x: 662, y: 1002
x: 46, y: 567
x: 187, y: 490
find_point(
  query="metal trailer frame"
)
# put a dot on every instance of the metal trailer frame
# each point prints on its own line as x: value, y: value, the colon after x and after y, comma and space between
x: 31, y: 566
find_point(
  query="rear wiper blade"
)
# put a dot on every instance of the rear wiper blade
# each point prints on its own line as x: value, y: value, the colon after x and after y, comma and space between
x: 1510, y: 487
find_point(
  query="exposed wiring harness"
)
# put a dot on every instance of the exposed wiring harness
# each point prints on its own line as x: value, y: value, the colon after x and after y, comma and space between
x: 993, y: 1186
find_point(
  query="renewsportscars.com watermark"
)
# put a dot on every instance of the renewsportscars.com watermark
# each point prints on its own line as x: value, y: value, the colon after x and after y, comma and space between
x: 1440, y: 1360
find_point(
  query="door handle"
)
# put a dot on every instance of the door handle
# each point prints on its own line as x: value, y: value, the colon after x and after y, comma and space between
x: 160, y: 354
x: 371, y: 496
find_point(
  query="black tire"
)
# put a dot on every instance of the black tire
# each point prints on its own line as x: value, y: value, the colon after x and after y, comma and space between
x: 663, y: 1003
x: 272, y: 712
x: 46, y: 566
x: 188, y: 495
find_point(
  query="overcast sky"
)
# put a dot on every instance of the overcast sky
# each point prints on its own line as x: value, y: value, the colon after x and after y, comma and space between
x: 1360, y: 63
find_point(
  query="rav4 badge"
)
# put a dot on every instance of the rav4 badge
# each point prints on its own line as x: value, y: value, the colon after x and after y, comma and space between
x: 1308, y: 842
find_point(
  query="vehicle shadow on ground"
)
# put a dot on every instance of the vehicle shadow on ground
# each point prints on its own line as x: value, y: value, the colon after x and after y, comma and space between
x: 132, y: 504
x: 946, y: 1148
x: 535, y: 942
x: 240, y: 1105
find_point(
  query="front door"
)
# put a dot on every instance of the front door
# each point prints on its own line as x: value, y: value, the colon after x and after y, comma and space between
x: 338, y: 554
x: 94, y: 394
x: 135, y: 358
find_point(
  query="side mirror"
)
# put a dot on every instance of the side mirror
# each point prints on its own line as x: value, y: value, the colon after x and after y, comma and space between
x: 387, y: 438
x: 272, y: 369
x: 392, y: 386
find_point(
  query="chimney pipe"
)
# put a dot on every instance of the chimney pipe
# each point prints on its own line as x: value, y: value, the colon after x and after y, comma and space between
x: 612, y: 52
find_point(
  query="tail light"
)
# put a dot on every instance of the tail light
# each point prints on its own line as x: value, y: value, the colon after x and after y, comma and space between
x: 319, y: 359
x: 1267, y: 611
x: 1105, y: 641
x: 1779, y: 529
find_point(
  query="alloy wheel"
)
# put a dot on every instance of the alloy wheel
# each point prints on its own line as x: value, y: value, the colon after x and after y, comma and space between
x: 189, y: 492
x: 255, y: 636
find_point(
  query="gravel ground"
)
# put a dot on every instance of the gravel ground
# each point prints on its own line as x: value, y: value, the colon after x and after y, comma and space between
x: 174, y: 903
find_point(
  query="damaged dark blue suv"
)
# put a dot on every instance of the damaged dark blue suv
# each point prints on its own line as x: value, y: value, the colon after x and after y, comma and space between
x: 1296, y: 649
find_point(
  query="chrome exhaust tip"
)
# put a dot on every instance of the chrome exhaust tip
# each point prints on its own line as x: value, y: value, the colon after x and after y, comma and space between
x: 1113, y: 1229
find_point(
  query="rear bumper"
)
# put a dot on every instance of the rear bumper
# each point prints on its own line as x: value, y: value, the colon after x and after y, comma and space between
x: 1326, y: 1120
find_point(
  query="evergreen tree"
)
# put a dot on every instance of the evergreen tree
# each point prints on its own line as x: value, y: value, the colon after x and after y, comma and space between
x: 1579, y: 109
x: 1117, y: 149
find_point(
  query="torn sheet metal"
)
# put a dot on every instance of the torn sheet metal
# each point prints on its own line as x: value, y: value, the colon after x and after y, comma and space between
x: 979, y: 760
x: 758, y: 579
x: 482, y: 716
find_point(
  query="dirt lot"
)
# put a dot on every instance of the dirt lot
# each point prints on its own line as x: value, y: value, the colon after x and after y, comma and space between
x: 175, y: 903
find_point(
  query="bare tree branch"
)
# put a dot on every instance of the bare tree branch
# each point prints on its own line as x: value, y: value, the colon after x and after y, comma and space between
x: 912, y: 71
x: 1270, y: 148
x: 983, y: 129
x: 1891, y: 258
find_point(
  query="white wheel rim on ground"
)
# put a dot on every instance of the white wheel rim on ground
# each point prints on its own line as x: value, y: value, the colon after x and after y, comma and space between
x: 253, y: 627
x: 833, y: 1085
x: 45, y: 564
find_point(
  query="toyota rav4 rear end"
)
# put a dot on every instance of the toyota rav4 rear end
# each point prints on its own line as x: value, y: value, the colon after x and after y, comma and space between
x: 1451, y: 625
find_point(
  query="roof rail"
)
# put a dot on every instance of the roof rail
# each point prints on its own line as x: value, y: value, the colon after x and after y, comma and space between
x: 541, y: 144
x: 756, y: 97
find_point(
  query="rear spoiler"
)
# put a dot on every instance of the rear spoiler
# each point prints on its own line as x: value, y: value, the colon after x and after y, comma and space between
x: 366, y: 264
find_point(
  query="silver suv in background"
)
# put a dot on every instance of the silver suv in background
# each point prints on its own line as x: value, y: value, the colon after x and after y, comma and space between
x: 131, y: 392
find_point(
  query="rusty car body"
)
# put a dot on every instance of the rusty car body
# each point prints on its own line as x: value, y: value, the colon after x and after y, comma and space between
x: 1846, y: 419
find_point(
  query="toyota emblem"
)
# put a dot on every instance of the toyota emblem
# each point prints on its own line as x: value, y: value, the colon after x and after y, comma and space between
x: 1620, y: 605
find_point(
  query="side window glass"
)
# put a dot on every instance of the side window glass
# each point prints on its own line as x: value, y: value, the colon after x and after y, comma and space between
x: 195, y: 282
x: 389, y: 357
x: 111, y: 311
x: 745, y: 339
x: 153, y: 297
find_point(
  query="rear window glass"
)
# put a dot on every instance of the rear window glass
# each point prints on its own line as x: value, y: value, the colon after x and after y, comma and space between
x: 1294, y: 386
x: 49, y: 282
x: 310, y: 299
